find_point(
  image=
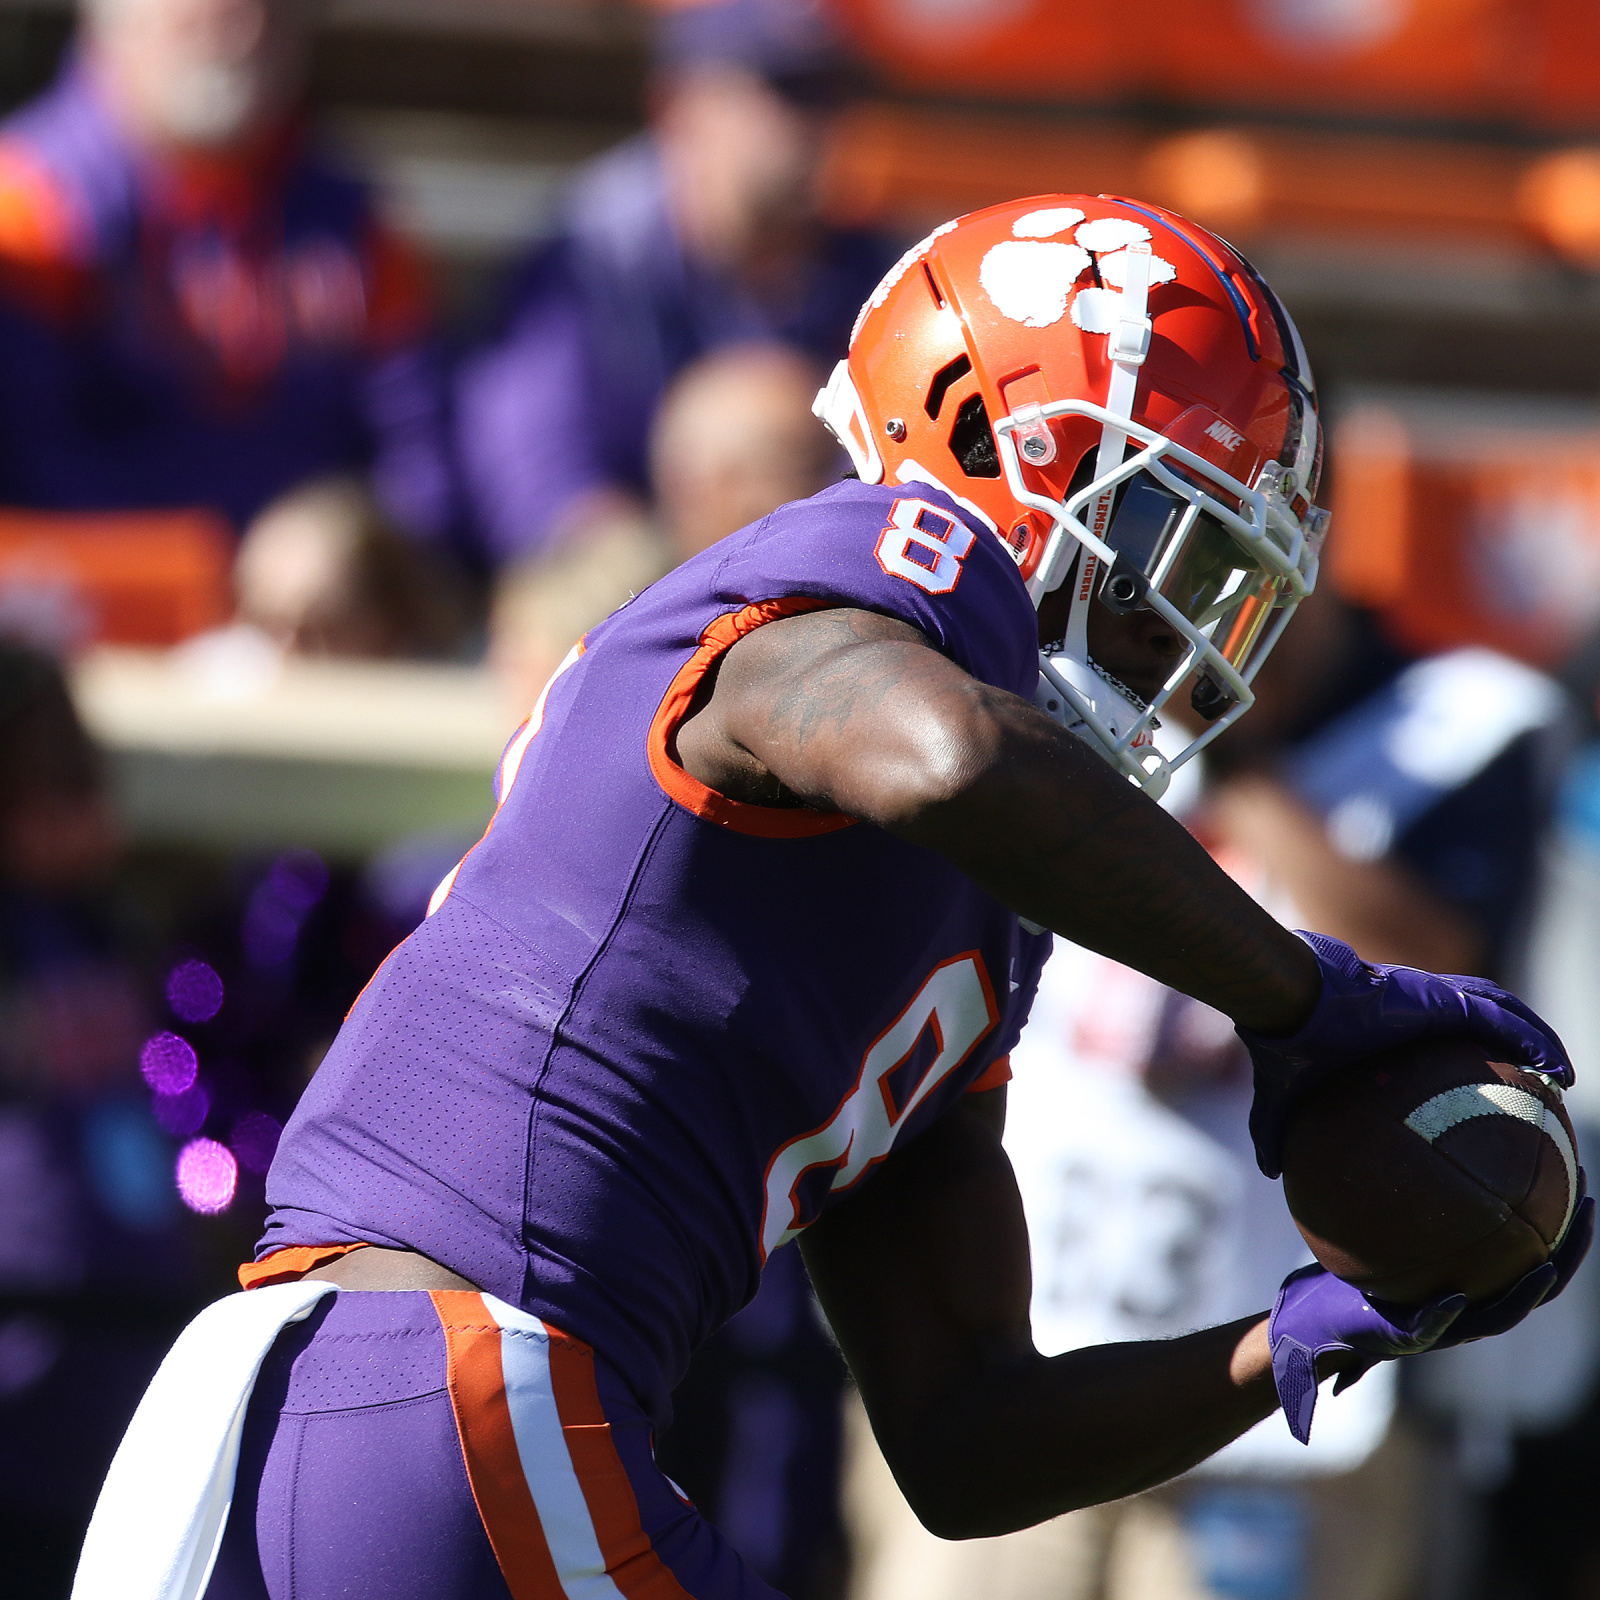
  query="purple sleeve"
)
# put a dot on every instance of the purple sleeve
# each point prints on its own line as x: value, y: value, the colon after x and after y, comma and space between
x: 907, y: 552
x: 523, y: 434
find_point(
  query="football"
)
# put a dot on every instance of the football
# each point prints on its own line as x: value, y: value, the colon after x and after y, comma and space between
x: 1431, y: 1169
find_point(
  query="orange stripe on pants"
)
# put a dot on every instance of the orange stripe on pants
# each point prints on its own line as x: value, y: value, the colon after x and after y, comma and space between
x: 489, y: 1447
x: 631, y: 1562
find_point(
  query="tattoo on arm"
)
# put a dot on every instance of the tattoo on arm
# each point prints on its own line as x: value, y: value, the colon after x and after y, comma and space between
x: 853, y: 711
x: 842, y: 679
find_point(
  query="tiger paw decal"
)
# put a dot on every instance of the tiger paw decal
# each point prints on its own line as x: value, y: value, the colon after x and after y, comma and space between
x: 1033, y: 277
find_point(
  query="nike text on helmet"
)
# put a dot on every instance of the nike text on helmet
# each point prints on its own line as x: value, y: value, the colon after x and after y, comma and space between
x: 1117, y: 394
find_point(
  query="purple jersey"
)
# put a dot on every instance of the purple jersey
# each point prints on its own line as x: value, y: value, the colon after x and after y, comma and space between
x: 650, y: 1032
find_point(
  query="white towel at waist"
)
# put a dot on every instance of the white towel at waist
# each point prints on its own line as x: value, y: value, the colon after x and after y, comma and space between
x: 159, y: 1521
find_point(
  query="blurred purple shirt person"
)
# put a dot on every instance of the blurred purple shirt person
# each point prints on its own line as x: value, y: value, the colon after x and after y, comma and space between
x: 96, y: 1265
x: 700, y: 233
x: 195, y: 307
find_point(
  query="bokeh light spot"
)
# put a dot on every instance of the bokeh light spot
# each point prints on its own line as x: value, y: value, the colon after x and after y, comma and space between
x: 255, y: 1140
x: 269, y: 933
x: 299, y: 878
x: 279, y: 906
x: 168, y: 1063
x: 207, y: 1176
x: 194, y: 991
x: 182, y: 1114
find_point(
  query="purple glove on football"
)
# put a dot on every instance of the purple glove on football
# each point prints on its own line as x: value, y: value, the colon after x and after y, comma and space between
x: 1317, y: 1313
x: 1365, y: 1008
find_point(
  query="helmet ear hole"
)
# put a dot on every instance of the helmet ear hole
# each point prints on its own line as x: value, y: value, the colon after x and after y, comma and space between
x: 972, y: 440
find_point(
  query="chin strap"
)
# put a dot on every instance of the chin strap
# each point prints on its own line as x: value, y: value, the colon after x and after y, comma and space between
x: 1127, y: 345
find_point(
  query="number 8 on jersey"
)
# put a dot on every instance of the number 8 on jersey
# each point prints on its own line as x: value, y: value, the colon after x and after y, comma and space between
x: 924, y: 545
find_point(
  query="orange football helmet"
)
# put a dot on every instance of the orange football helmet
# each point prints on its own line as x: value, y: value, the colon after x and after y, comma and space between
x: 1118, y: 395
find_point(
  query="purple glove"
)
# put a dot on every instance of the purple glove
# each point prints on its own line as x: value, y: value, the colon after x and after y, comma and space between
x: 1316, y: 1313
x: 1365, y: 1008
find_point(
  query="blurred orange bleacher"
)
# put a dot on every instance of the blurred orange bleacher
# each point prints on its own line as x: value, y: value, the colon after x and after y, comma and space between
x: 914, y: 165
x: 1484, y: 61
x: 133, y: 578
x: 1384, y: 118
x: 1467, y: 520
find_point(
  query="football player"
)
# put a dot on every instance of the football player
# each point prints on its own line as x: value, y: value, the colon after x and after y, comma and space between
x: 743, y: 953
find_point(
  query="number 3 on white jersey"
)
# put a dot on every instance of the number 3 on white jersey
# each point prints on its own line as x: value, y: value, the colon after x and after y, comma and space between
x: 924, y: 545
x: 953, y: 1009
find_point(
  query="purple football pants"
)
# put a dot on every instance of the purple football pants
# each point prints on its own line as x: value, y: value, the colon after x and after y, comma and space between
x: 417, y: 1446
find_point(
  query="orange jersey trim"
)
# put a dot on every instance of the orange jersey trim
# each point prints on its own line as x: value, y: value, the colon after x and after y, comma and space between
x: 631, y: 1561
x: 291, y: 1262
x: 477, y: 1387
x: 764, y: 822
x: 994, y: 1076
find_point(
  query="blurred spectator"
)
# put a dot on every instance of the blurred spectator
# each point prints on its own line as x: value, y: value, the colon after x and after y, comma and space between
x: 543, y: 605
x: 196, y: 308
x: 323, y: 572
x: 700, y: 233
x: 1395, y: 804
x: 1439, y: 771
x: 734, y: 439
x: 96, y: 1269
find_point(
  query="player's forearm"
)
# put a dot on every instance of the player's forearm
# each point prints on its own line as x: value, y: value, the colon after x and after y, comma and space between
x: 1023, y: 1444
x: 924, y: 1278
x: 854, y: 712
x: 1040, y: 821
x: 1379, y: 907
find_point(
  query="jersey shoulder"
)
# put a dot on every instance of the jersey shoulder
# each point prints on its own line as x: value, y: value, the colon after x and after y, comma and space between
x: 909, y: 551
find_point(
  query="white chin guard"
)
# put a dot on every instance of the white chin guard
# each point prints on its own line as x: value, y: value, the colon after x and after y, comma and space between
x: 1085, y: 702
